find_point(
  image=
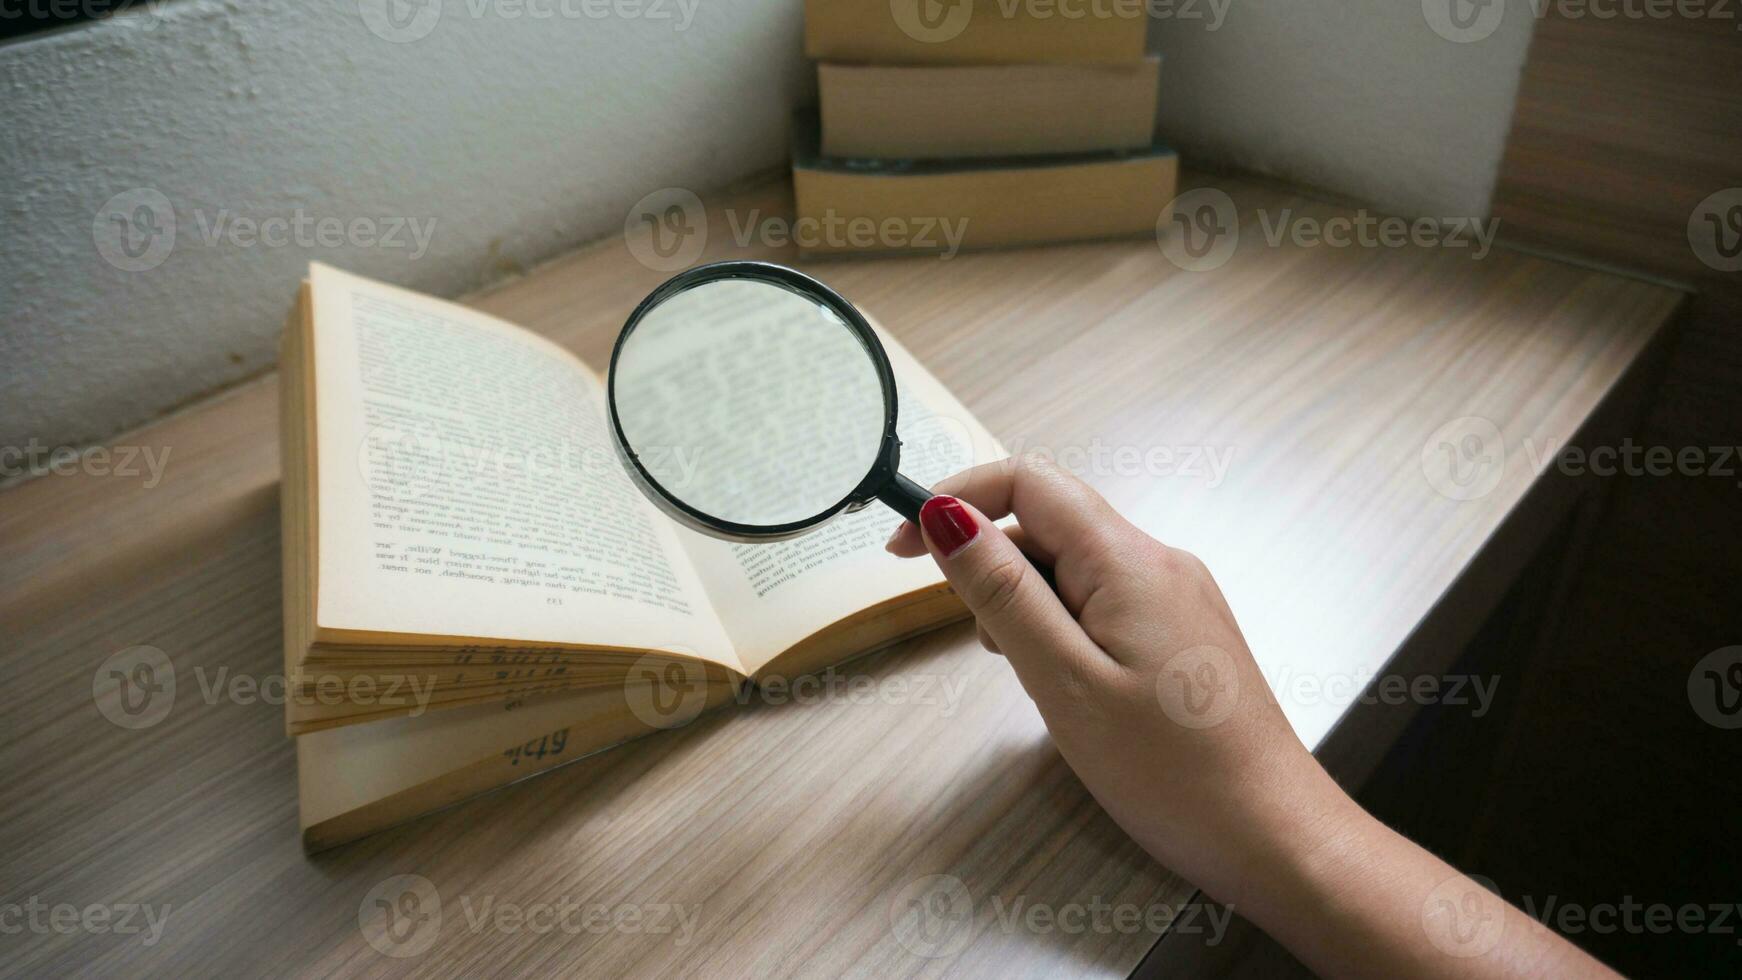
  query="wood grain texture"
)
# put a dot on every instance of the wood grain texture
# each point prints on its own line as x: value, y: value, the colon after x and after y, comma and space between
x: 790, y: 831
x: 1623, y: 126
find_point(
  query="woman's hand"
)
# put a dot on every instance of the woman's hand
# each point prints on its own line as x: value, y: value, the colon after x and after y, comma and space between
x: 1154, y: 699
x: 1138, y: 668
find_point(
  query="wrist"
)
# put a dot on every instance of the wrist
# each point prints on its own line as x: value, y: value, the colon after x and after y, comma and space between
x: 1307, y: 854
x: 1336, y: 893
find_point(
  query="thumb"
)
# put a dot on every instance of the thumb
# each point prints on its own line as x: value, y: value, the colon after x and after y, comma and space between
x: 1008, y: 596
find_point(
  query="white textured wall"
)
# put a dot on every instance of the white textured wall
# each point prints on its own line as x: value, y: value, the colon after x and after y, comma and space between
x: 521, y: 135
x: 517, y: 135
x: 1370, y: 98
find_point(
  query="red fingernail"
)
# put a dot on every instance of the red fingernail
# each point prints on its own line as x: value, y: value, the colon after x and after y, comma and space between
x: 948, y: 523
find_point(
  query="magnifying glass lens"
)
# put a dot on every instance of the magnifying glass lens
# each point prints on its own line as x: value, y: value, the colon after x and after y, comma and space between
x: 748, y: 403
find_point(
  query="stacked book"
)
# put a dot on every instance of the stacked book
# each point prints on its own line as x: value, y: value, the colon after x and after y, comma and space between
x: 979, y: 124
x: 474, y: 590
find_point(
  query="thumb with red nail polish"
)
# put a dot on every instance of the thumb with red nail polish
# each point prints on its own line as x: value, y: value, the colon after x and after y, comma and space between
x: 948, y: 525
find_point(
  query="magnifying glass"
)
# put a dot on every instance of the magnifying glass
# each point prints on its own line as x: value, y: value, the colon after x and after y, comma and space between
x: 751, y: 402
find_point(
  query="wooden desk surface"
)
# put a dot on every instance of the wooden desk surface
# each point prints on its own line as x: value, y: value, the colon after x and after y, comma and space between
x: 788, y: 834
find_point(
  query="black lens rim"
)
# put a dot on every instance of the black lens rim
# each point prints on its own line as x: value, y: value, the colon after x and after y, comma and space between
x: 882, y: 471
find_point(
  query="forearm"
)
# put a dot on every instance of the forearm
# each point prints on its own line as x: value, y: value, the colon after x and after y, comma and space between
x: 1150, y: 692
x: 1354, y: 898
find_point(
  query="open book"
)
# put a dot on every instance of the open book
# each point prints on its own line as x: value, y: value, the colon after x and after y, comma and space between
x: 475, y: 591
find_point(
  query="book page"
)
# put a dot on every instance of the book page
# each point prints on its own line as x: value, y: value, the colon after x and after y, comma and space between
x: 772, y: 595
x: 468, y: 487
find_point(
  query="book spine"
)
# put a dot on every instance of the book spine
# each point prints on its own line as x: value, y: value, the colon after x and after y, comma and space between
x: 841, y: 211
x: 956, y: 112
x: 965, y: 32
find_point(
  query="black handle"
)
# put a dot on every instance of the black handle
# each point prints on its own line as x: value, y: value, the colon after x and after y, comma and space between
x: 905, y: 496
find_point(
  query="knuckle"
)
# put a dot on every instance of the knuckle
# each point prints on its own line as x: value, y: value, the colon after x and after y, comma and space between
x: 1039, y: 479
x: 1184, y: 564
x: 995, y: 588
x: 1030, y: 465
x: 1043, y: 473
x: 1075, y: 688
x: 1078, y: 698
x: 1194, y: 580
